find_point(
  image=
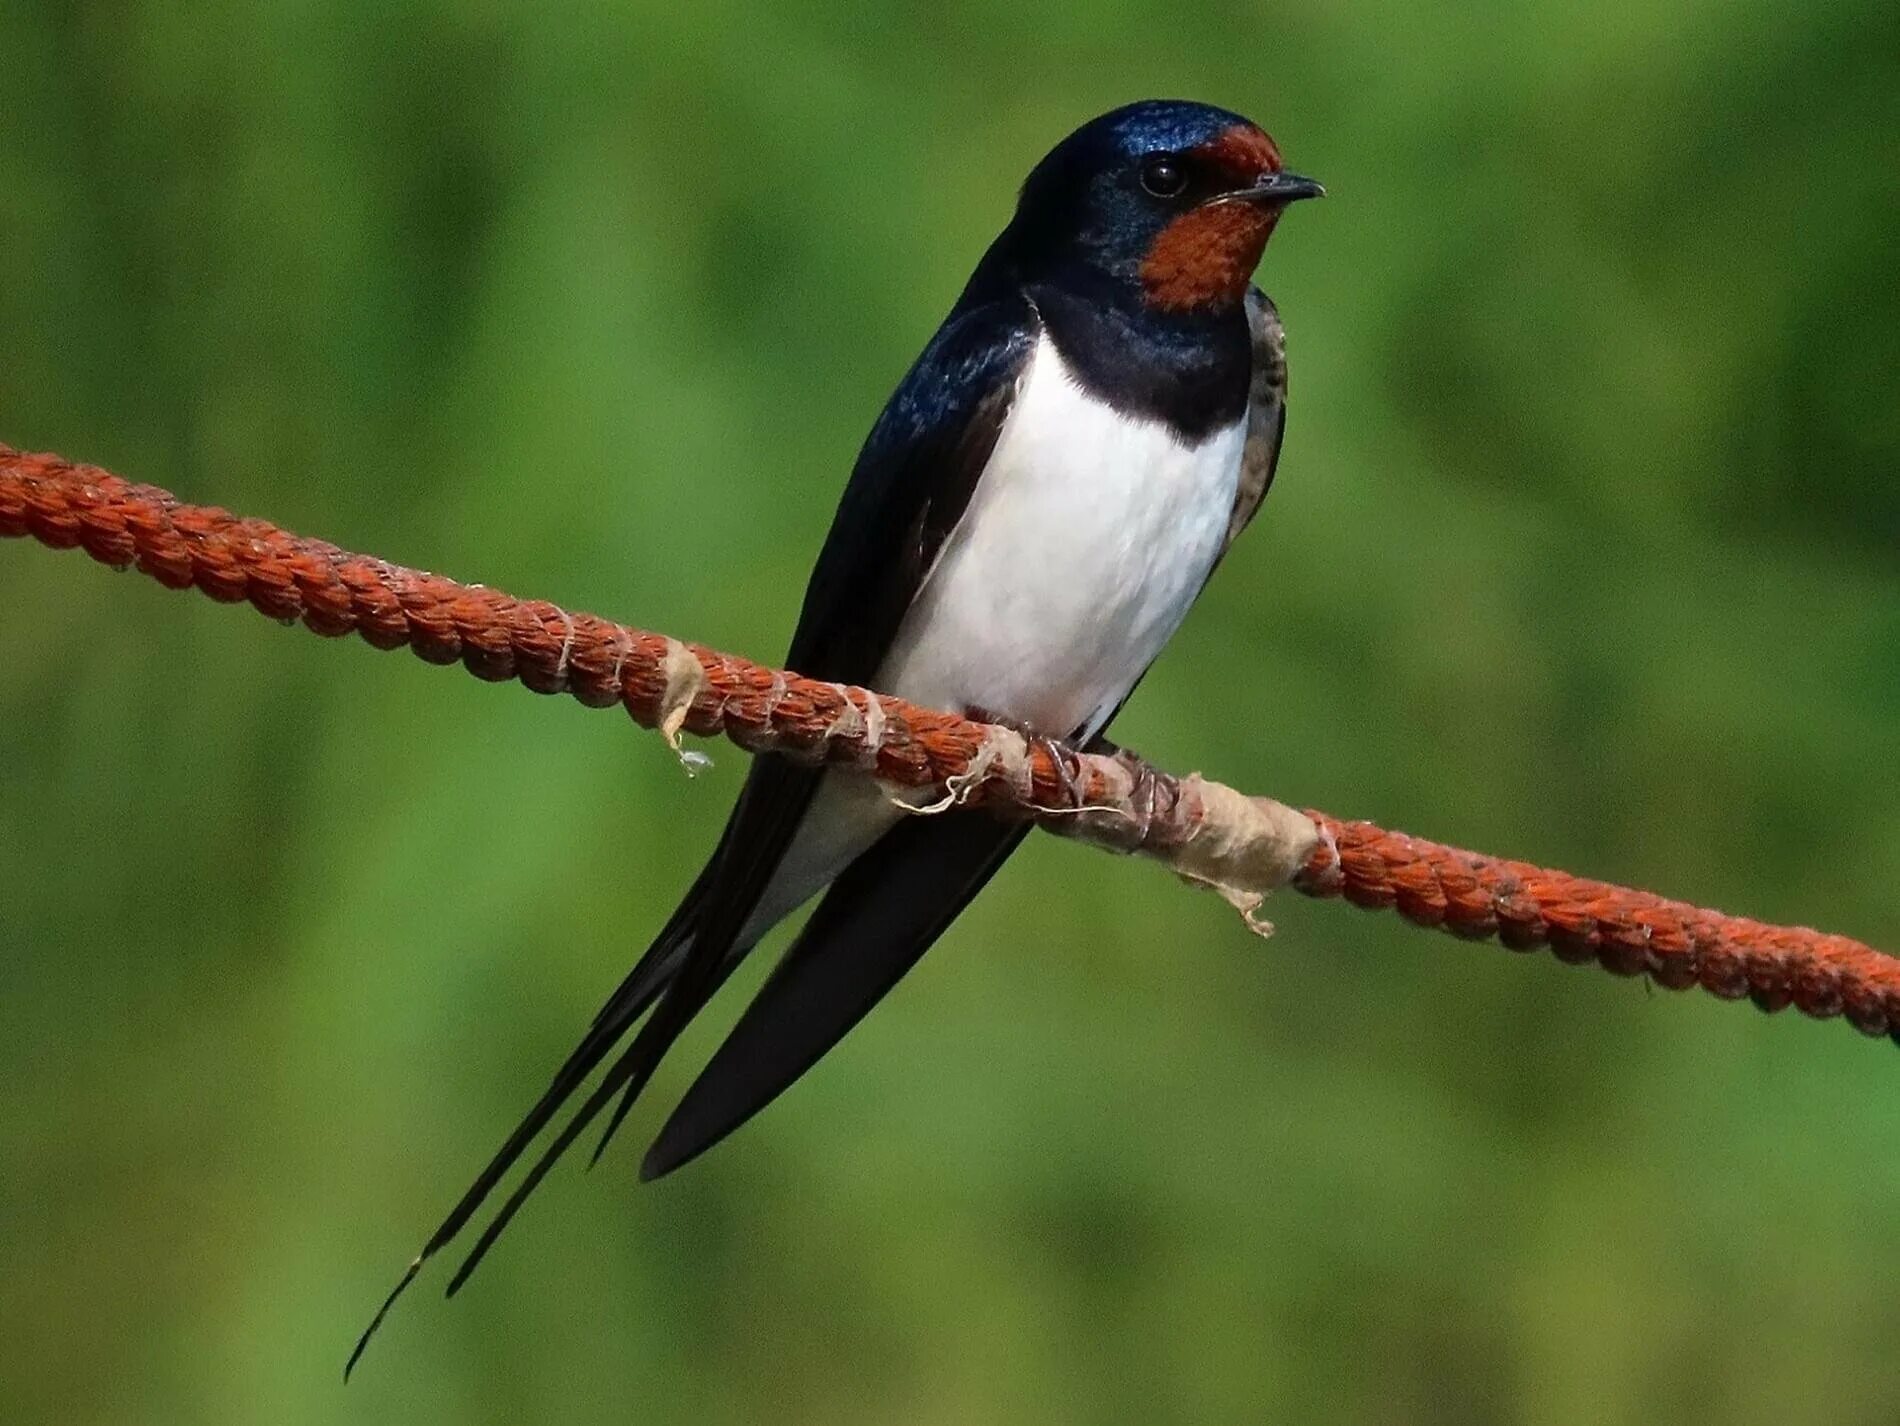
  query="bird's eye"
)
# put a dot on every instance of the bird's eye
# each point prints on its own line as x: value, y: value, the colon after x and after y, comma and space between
x: 1163, y: 175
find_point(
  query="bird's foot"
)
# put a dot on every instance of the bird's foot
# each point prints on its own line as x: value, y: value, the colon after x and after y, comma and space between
x: 1063, y: 751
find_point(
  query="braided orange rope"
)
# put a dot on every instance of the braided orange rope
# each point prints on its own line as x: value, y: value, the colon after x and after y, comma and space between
x: 1242, y: 846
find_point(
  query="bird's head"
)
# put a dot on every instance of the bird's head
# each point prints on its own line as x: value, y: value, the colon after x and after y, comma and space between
x: 1172, y: 200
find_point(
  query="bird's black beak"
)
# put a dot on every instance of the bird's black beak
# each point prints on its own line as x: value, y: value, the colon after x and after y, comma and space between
x: 1280, y: 188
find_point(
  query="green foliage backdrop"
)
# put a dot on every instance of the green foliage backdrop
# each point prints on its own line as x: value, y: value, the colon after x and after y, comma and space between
x: 1586, y: 548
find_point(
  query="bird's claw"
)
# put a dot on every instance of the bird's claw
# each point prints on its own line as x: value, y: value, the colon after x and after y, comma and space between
x: 1063, y: 752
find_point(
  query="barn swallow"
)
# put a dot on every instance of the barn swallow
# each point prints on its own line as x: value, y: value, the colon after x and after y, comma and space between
x: 1029, y: 520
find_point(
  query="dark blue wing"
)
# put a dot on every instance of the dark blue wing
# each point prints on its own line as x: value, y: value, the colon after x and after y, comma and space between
x: 882, y: 914
x: 912, y: 482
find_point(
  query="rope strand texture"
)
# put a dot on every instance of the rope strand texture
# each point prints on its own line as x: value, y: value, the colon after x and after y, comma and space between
x: 1243, y: 847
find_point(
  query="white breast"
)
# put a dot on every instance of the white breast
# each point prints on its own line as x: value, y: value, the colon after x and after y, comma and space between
x: 1086, y: 540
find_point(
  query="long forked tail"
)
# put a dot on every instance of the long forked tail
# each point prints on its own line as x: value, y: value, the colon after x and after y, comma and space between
x: 652, y: 975
x: 689, y: 960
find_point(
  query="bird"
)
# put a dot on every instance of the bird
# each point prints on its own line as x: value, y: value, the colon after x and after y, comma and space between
x: 1041, y: 500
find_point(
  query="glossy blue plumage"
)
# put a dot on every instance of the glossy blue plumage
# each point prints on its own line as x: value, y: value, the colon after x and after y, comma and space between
x: 1069, y: 268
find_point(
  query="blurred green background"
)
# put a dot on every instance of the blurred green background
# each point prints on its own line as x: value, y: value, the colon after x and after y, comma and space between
x: 1586, y: 548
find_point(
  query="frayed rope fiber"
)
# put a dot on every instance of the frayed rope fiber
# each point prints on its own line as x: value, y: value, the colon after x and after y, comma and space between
x: 1211, y: 835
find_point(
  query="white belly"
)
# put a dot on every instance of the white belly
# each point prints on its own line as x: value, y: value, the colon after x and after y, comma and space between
x: 1086, y: 540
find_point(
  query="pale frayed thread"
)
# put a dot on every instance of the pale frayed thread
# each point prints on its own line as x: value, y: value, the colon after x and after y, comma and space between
x: 860, y: 729
x: 1243, y: 848
x: 685, y: 681
x: 848, y: 725
x: 999, y: 745
x: 567, y: 646
x: 874, y: 721
x: 1013, y: 751
x: 774, y: 697
x: 623, y: 647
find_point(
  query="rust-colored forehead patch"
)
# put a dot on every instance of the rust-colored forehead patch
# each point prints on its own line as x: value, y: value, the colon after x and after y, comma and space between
x: 1204, y: 258
x: 1241, y: 150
